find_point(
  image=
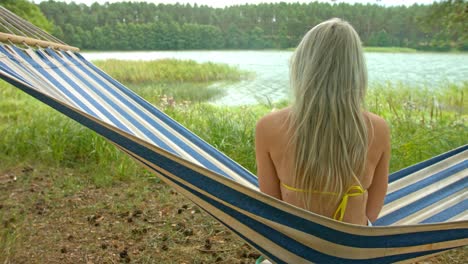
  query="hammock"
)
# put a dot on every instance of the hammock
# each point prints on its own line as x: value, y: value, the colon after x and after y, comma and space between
x: 425, y: 211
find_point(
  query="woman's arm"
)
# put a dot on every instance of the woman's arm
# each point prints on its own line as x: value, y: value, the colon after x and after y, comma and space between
x: 378, y: 188
x: 266, y: 172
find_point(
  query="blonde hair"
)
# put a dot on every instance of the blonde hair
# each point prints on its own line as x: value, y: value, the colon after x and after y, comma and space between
x: 329, y: 134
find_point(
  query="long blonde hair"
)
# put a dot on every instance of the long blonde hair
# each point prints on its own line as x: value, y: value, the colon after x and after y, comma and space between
x: 329, y: 134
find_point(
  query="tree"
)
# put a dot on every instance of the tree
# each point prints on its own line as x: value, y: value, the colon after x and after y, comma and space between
x: 447, y: 22
x: 379, y: 39
x: 130, y: 25
x: 256, y: 40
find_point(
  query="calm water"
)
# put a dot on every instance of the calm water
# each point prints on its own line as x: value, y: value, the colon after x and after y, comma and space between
x: 271, y: 70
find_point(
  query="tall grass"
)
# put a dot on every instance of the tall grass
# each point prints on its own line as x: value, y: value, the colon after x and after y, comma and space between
x: 169, y: 71
x: 180, y: 80
x: 424, y: 123
x: 189, y: 92
x: 229, y: 129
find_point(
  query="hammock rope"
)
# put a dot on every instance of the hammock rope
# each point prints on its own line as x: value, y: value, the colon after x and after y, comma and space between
x: 425, y: 211
x: 7, y: 26
x: 22, y: 32
x: 18, y: 24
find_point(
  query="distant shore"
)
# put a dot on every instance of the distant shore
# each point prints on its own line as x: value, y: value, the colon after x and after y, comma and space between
x: 366, y: 49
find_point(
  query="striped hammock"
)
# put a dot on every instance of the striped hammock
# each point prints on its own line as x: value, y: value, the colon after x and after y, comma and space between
x: 425, y: 210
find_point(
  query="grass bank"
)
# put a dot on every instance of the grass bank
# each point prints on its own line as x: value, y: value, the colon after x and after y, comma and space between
x: 400, y: 50
x: 168, y: 70
x: 66, y: 194
x: 390, y: 49
x: 407, y: 50
x: 180, y: 80
x: 384, y: 49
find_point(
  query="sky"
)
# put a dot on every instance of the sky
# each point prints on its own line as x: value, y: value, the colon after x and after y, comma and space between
x: 223, y: 3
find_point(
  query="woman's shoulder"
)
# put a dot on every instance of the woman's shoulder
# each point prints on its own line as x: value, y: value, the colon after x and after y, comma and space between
x: 275, y: 117
x: 274, y: 121
x: 379, y: 127
x: 376, y: 121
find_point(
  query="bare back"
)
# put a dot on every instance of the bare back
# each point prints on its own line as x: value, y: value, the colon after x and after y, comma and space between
x: 274, y: 163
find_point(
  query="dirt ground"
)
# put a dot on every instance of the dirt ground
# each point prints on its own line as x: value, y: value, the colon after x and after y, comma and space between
x: 55, y: 216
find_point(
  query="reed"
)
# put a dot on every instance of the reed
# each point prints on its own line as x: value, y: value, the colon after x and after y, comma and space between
x: 169, y: 71
x: 190, y: 92
x: 181, y: 80
x: 424, y: 122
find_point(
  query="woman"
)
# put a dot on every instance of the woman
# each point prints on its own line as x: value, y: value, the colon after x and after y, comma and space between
x: 324, y: 153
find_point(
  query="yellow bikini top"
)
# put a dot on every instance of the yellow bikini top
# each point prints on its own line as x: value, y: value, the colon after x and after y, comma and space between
x: 352, y: 191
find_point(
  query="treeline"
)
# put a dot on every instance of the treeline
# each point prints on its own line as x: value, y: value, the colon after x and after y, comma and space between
x: 147, y: 26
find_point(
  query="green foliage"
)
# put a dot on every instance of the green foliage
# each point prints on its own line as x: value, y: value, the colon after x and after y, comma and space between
x: 381, y: 39
x: 445, y: 25
x: 147, y: 26
x: 256, y: 40
x: 28, y: 11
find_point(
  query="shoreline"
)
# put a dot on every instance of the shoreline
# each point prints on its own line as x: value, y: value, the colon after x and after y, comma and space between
x: 366, y: 49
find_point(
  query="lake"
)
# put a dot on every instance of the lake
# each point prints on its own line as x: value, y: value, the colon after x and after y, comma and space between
x: 431, y: 70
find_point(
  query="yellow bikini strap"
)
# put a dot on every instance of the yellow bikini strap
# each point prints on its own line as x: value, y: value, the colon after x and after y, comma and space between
x: 302, y: 190
x: 354, y: 190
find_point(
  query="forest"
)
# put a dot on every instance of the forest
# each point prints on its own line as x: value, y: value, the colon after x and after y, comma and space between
x: 147, y: 26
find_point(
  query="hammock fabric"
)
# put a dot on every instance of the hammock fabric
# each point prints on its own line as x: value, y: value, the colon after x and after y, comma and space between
x: 425, y: 211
